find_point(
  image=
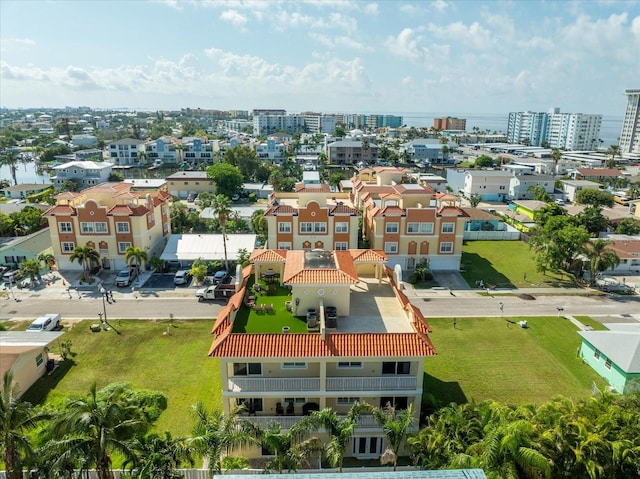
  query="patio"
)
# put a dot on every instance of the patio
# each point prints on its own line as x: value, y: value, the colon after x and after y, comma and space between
x: 374, y: 309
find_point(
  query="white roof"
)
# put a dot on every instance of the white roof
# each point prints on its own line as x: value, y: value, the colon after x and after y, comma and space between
x: 207, y: 247
x: 621, y: 347
x: 88, y: 165
x: 242, y: 211
x: 146, y: 183
x: 23, y: 340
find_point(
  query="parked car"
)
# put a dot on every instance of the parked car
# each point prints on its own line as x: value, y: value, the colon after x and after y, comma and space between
x: 126, y: 276
x: 12, y: 276
x: 48, y: 322
x: 181, y: 277
x: 220, y: 276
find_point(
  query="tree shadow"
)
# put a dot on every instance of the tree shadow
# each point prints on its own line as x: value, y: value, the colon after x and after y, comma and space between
x: 479, y: 269
x: 438, y: 393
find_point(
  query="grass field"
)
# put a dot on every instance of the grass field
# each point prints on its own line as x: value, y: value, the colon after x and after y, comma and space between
x: 484, y: 359
x: 175, y: 364
x: 595, y: 325
x: 504, y: 264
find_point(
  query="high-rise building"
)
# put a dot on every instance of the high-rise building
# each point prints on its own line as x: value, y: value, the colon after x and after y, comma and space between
x: 630, y: 135
x: 570, y: 131
x: 450, y: 123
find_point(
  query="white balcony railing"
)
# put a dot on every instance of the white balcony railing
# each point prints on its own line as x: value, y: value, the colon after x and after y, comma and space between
x: 385, y: 383
x: 237, y: 384
x: 364, y: 421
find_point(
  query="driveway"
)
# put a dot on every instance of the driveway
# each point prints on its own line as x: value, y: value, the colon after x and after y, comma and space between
x: 450, y: 279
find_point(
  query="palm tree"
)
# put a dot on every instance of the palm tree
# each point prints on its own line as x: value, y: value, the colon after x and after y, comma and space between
x: 86, y: 256
x: 556, y: 154
x: 91, y: 428
x: 215, y: 434
x: 16, y: 418
x: 10, y: 158
x: 159, y: 456
x: 613, y: 151
x: 601, y: 257
x: 30, y: 268
x: 340, y: 430
x: 396, y: 426
x: 48, y: 259
x: 135, y: 256
x: 221, y: 206
x: 291, y: 449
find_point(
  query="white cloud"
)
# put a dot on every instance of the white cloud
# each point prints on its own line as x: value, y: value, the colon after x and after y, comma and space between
x: 371, y: 9
x: 411, y: 10
x: 472, y: 36
x: 25, y: 42
x: 440, y: 5
x: 635, y: 27
x: 339, y: 42
x: 234, y: 17
x: 407, y: 45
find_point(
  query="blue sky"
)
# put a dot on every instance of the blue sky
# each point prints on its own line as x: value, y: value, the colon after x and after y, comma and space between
x: 331, y: 56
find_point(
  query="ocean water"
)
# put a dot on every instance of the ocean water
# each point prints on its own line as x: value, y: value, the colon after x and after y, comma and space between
x: 609, y: 131
x: 26, y: 173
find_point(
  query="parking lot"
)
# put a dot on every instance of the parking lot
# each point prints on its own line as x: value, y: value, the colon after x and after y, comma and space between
x: 163, y: 281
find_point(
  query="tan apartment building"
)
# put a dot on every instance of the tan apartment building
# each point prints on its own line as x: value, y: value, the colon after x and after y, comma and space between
x: 450, y: 123
x: 352, y: 152
x: 312, y: 217
x: 407, y: 220
x: 185, y: 183
x: 374, y: 351
x: 109, y: 217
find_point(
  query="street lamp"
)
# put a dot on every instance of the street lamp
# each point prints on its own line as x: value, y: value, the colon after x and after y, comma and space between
x: 103, y: 293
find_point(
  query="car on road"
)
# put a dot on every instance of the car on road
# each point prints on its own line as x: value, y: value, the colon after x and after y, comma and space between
x: 235, y: 197
x: 48, y: 322
x: 220, y: 276
x: 181, y: 277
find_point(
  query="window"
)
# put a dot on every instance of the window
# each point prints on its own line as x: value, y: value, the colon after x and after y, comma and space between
x: 86, y: 228
x: 350, y: 364
x: 67, y: 247
x: 247, y: 369
x: 346, y: 401
x: 65, y: 227
x: 101, y: 227
x: 341, y: 246
x: 306, y: 227
x: 367, y: 446
x: 391, y: 247
x: 596, y: 354
x: 319, y: 227
x: 284, y: 245
x: 607, y: 363
x: 298, y: 401
x: 414, y: 228
x: 447, y: 227
x: 122, y: 247
x: 392, y: 227
x: 393, y: 367
x: 294, y: 365
x: 398, y: 402
x: 342, y: 227
x: 446, y: 247
x: 284, y: 227
x: 122, y: 227
x: 39, y: 359
x: 151, y: 218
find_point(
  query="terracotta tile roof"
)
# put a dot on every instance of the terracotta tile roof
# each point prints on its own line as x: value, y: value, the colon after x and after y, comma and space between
x: 452, y: 211
x: 393, y: 211
x: 597, y: 172
x: 367, y: 255
x: 313, y: 188
x: 626, y: 249
x: 419, y: 323
x: 60, y: 210
x: 268, y: 256
x: 68, y: 195
x: 344, y: 209
x: 447, y: 196
x: 296, y: 273
x: 479, y: 214
x: 280, y: 209
x: 307, y: 345
x: 223, y: 320
x: 126, y: 210
x: 320, y: 276
x: 346, y: 265
x: 108, y: 187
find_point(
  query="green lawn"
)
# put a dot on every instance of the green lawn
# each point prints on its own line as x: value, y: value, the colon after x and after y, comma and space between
x: 175, y: 364
x: 595, y: 325
x: 484, y: 359
x: 504, y: 264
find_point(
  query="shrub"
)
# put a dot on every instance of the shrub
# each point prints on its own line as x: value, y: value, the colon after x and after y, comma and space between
x: 413, y: 278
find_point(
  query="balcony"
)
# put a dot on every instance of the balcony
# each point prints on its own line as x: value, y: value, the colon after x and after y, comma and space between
x: 241, y: 384
x: 385, y: 383
x: 365, y: 421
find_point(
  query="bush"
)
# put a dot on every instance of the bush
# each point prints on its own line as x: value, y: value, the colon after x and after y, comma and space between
x: 413, y: 278
x: 428, y: 276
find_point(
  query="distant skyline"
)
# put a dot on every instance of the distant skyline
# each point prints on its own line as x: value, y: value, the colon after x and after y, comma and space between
x: 330, y: 56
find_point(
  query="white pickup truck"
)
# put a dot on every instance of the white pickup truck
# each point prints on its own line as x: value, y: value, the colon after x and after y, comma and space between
x: 219, y: 291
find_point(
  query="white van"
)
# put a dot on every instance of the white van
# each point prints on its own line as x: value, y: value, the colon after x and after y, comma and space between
x: 48, y: 322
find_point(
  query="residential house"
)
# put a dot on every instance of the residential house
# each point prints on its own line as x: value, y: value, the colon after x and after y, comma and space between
x: 23, y: 190
x: 84, y: 140
x: 489, y: 185
x: 407, y: 220
x: 125, y: 152
x: 197, y: 150
x: 352, y: 152
x: 522, y: 187
x: 628, y: 250
x: 93, y: 154
x: 482, y: 225
x: 614, y: 354
x: 352, y: 349
x: 26, y: 355
x: 571, y: 188
x: 84, y: 173
x: 272, y: 151
x: 185, y: 183
x: 163, y: 150
x: 15, y: 250
x: 109, y: 217
x: 596, y: 174
x: 312, y: 217
x: 522, y: 213
x: 186, y: 248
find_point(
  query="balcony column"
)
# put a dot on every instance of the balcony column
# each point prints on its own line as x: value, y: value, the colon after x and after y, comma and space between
x: 224, y: 379
x: 323, y: 383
